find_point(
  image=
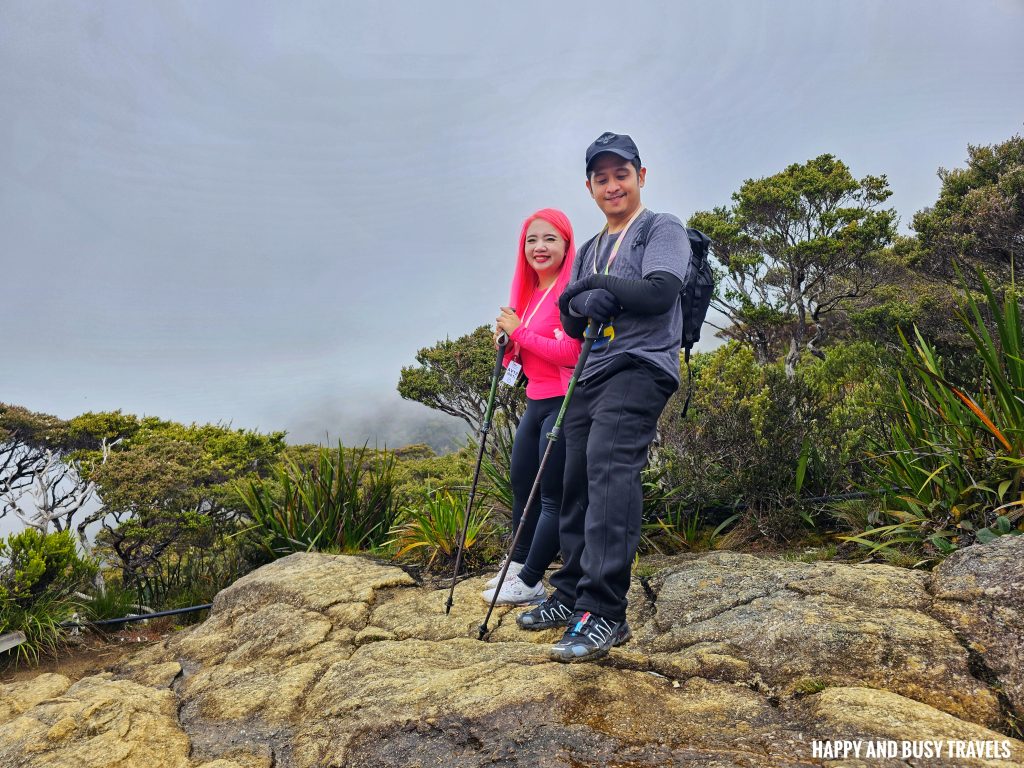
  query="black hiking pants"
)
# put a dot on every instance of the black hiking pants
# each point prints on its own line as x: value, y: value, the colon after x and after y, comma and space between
x: 538, y: 544
x: 608, y: 427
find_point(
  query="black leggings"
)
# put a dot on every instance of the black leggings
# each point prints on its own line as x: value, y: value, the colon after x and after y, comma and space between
x: 538, y: 544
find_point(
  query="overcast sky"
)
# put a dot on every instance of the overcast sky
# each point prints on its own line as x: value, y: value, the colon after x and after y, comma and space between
x: 257, y: 212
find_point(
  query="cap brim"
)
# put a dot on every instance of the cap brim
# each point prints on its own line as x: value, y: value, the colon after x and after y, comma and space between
x: 620, y: 152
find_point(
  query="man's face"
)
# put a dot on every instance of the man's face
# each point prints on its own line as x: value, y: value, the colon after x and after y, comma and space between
x: 615, y: 185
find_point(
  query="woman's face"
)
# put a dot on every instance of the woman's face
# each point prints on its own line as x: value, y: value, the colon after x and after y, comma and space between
x: 545, y: 248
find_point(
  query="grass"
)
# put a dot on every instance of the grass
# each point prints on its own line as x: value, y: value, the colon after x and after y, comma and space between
x: 346, y: 499
x: 431, y: 529
x: 808, y: 686
x: 679, y: 530
x: 113, y: 603
x: 40, y: 621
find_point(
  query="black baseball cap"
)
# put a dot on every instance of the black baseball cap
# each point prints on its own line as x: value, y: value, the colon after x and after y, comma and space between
x: 617, y: 143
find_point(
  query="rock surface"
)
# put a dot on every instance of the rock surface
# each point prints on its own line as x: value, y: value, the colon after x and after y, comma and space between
x: 799, y: 625
x: 319, y: 660
x: 979, y: 593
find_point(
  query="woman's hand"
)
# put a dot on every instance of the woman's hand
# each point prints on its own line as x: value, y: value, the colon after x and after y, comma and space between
x: 508, y: 320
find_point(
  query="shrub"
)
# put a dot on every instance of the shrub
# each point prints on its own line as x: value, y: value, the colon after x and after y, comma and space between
x: 496, y: 477
x: 758, y: 439
x: 418, y: 470
x: 958, y: 455
x: 150, y: 548
x: 39, y: 574
x: 195, y: 575
x: 33, y: 563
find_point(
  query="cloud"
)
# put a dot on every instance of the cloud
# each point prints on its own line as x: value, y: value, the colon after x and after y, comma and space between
x: 377, y: 418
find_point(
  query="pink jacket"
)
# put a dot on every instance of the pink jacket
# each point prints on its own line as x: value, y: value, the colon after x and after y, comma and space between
x: 545, y: 352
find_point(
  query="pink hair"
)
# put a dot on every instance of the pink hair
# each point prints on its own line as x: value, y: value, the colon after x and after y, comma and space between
x: 524, y: 281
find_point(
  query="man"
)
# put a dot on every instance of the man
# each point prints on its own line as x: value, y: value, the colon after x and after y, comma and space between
x: 628, y: 279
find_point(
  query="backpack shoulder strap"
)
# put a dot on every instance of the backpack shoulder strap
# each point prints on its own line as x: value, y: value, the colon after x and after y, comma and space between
x: 581, y: 252
x: 640, y: 241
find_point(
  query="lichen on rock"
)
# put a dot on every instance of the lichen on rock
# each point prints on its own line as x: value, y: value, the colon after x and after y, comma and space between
x: 319, y: 660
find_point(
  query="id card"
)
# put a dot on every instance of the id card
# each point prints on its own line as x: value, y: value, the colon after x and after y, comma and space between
x: 512, y: 373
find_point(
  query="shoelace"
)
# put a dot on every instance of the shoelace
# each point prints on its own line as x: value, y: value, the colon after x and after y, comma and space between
x: 592, y: 627
x: 600, y: 632
x: 513, y: 585
x: 550, y: 610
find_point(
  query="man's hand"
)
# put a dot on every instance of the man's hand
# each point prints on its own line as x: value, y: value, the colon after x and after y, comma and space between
x: 581, y: 285
x: 597, y: 304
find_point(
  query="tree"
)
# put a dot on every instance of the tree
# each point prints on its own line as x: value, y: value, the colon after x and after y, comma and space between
x: 978, y: 219
x: 166, y: 487
x: 25, y: 437
x: 909, y: 296
x: 163, y: 488
x: 35, y: 466
x: 41, y: 463
x: 57, y: 493
x: 797, y: 250
x: 454, y: 377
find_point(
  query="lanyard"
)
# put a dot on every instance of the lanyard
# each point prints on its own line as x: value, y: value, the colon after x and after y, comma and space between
x: 615, y: 248
x: 526, y: 322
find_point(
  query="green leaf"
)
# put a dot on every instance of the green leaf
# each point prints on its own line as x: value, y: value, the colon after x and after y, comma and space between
x: 985, y: 536
x: 1003, y: 486
x: 801, y: 467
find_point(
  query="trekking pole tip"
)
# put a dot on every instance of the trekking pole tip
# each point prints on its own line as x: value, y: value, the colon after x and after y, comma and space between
x: 483, y: 632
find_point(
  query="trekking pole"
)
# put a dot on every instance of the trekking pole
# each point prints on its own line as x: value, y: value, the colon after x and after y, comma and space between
x: 484, y: 429
x: 589, y: 337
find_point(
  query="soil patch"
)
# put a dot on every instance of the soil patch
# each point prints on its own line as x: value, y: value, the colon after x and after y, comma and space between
x: 90, y: 653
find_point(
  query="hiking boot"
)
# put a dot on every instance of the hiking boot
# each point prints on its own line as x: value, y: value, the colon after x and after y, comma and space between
x: 589, y: 636
x: 515, y: 592
x: 513, y: 569
x: 551, y: 613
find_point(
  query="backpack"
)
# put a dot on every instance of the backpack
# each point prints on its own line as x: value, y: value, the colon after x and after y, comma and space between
x: 695, y: 295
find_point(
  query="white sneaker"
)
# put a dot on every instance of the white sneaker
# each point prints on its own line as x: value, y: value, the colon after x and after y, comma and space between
x: 513, y: 570
x: 515, y: 592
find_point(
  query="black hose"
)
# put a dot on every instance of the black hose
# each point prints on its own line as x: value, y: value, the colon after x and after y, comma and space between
x: 194, y: 608
x: 724, y: 511
x: 126, y: 619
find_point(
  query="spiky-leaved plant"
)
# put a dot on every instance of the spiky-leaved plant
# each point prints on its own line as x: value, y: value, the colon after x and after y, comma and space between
x: 957, y: 455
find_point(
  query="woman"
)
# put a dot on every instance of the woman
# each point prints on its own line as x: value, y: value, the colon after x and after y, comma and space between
x: 547, y: 356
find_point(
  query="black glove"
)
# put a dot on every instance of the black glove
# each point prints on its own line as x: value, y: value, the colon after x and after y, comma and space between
x: 577, y: 287
x: 574, y: 326
x: 597, y: 304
